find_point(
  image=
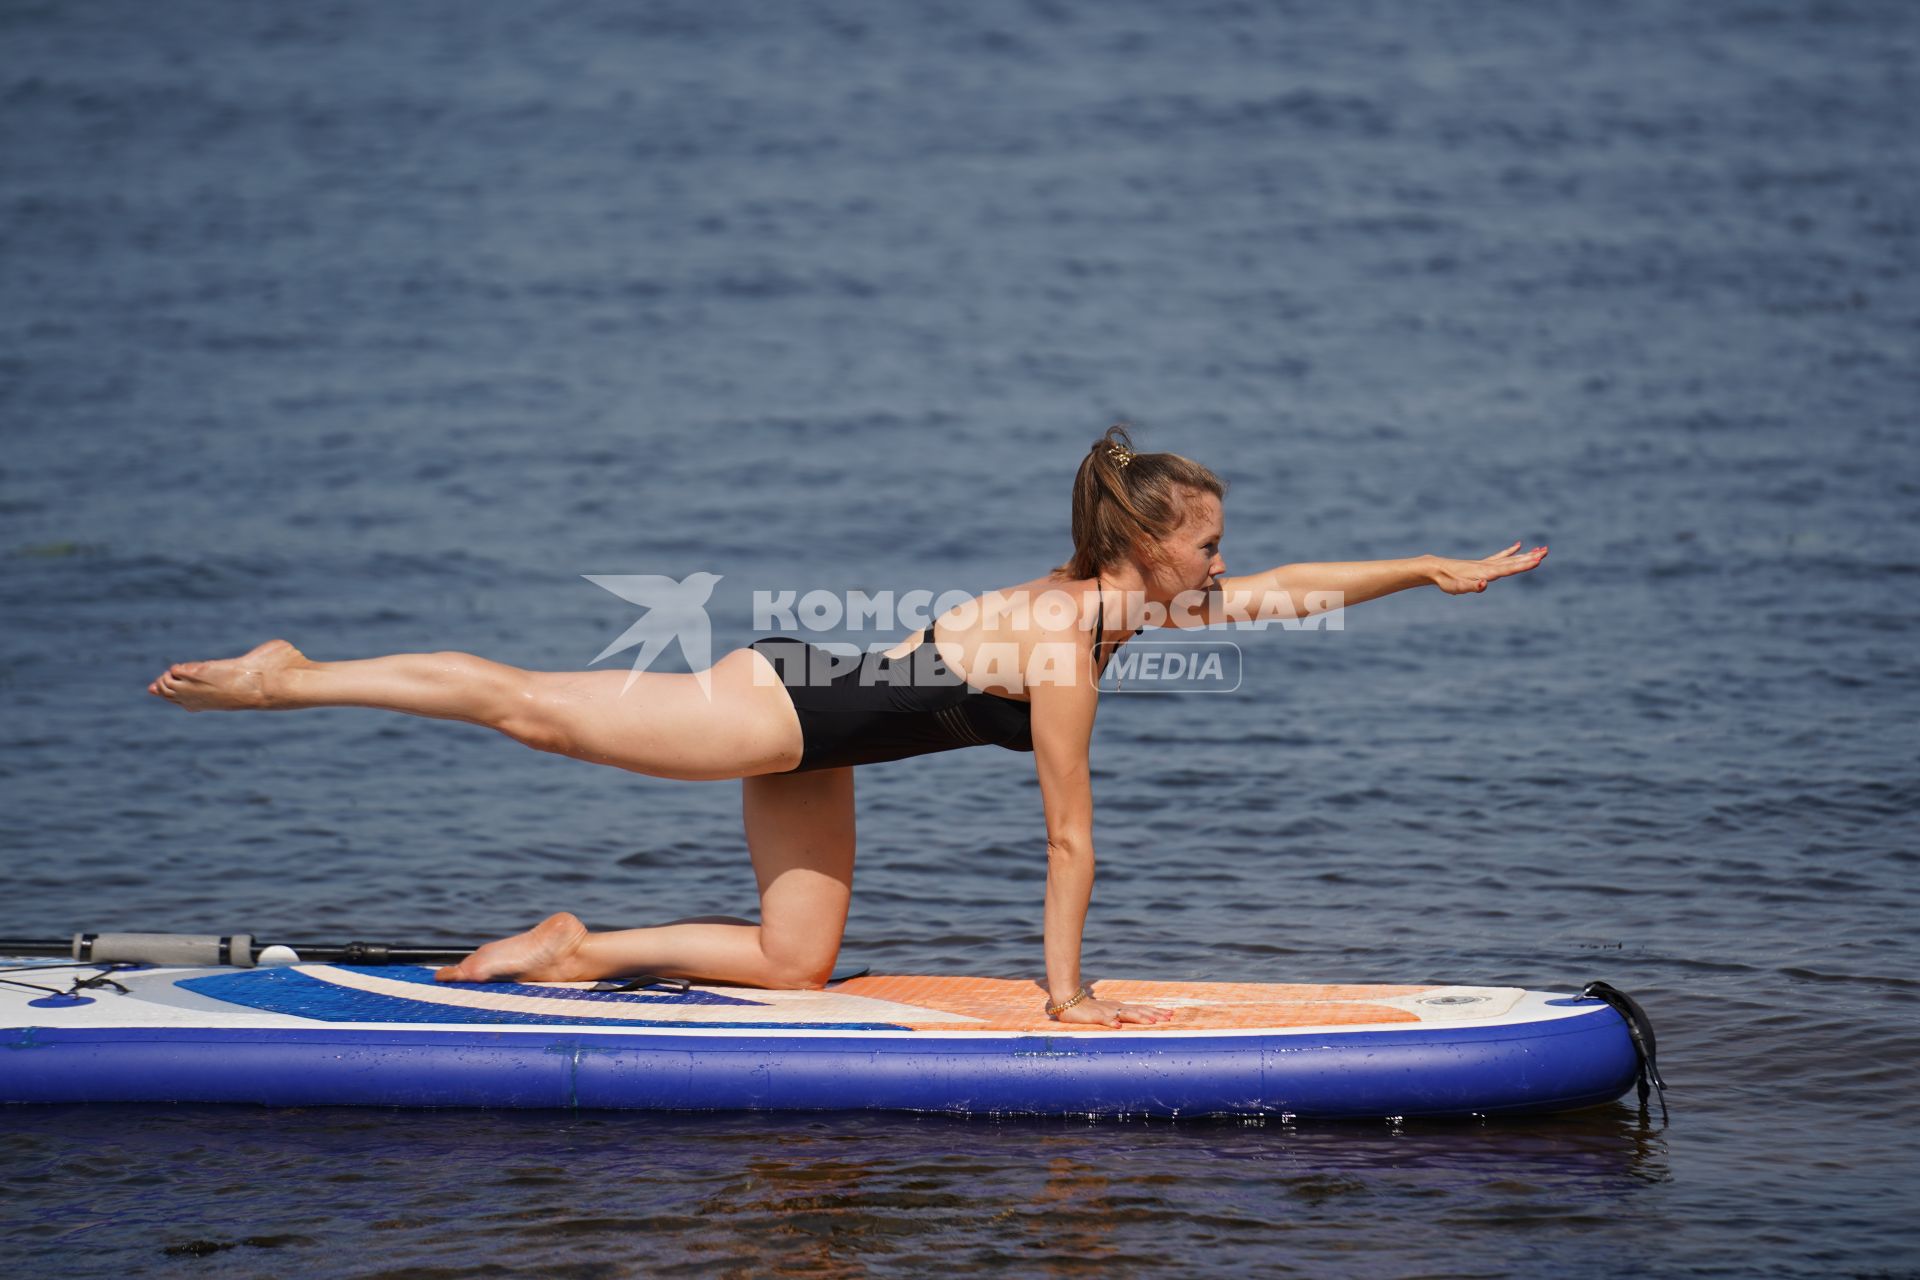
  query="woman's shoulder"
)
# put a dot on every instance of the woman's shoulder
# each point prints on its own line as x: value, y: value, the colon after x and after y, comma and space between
x: 1052, y: 602
x: 1048, y: 584
x: 1032, y: 609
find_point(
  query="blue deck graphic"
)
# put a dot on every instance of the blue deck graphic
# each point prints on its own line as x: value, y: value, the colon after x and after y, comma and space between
x: 303, y: 995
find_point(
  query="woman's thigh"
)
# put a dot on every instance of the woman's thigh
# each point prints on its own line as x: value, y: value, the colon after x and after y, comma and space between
x: 738, y: 724
x: 800, y: 831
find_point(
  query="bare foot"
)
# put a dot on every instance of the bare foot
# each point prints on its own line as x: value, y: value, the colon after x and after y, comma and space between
x: 231, y: 684
x: 544, y: 953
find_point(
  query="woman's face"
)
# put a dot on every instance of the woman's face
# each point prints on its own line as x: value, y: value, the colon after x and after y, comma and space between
x: 1190, y: 557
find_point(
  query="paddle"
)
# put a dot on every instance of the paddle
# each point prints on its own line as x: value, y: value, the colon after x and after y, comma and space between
x: 241, y: 949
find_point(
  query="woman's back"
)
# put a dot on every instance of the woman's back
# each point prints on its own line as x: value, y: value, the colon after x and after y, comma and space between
x: 1002, y: 640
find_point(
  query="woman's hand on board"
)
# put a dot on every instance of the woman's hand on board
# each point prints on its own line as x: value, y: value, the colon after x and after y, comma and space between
x: 1458, y: 577
x: 1112, y: 1013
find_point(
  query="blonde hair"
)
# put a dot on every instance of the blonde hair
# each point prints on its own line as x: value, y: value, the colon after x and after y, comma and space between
x: 1125, y: 503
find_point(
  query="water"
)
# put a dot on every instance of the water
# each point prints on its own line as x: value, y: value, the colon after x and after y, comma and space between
x: 377, y: 326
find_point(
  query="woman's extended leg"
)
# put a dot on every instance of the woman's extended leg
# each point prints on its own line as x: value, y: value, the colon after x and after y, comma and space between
x: 800, y: 829
x: 741, y: 724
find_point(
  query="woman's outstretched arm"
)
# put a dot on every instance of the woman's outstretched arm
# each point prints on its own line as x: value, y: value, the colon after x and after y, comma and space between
x: 1301, y: 590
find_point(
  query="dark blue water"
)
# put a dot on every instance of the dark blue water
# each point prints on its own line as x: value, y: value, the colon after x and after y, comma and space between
x: 377, y: 326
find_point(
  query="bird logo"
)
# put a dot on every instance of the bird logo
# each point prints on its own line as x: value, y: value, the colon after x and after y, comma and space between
x: 674, y: 611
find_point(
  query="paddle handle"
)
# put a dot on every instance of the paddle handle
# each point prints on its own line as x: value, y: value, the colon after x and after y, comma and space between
x: 165, y: 948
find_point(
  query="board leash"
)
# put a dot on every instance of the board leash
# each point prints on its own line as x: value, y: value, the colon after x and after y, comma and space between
x: 1640, y: 1029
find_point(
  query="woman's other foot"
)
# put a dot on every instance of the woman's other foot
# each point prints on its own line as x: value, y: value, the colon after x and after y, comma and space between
x: 245, y: 683
x: 548, y: 952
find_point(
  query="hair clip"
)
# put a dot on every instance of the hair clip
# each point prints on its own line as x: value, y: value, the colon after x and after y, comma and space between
x: 1120, y: 454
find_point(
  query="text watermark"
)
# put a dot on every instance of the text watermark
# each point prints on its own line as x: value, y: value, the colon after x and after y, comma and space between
x: 677, y: 616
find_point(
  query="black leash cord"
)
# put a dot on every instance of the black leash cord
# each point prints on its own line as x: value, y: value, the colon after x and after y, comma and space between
x: 680, y: 986
x: 96, y: 982
x: 1640, y: 1029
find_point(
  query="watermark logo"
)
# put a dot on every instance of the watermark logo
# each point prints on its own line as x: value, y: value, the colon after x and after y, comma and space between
x: 1051, y: 608
x: 676, y: 613
x: 1171, y: 666
x: 676, y: 610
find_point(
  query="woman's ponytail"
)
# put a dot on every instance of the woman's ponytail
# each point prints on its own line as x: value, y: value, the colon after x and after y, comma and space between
x: 1125, y: 502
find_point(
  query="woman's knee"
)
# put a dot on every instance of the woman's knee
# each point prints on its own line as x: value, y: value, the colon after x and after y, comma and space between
x: 520, y: 707
x: 801, y: 958
x: 802, y: 972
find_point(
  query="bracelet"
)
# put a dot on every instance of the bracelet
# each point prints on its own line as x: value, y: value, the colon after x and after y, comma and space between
x: 1055, y: 1010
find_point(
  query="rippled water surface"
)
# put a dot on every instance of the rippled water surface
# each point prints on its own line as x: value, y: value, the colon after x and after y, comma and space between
x: 377, y: 326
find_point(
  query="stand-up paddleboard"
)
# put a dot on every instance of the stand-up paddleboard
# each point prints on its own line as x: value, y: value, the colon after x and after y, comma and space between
x: 321, y: 1034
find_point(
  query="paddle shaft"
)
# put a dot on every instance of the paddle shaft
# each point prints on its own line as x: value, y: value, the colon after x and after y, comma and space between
x: 240, y: 949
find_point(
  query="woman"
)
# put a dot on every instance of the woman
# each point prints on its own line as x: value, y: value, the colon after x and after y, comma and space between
x: 1018, y: 668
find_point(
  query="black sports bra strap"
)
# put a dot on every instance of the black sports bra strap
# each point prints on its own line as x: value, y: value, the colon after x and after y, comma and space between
x: 1099, y: 624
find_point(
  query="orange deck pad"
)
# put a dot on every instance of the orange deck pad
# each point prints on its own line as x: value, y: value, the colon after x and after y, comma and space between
x: 1008, y: 1004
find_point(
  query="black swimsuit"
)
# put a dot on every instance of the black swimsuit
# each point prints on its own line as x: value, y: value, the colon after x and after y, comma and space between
x: 869, y: 708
